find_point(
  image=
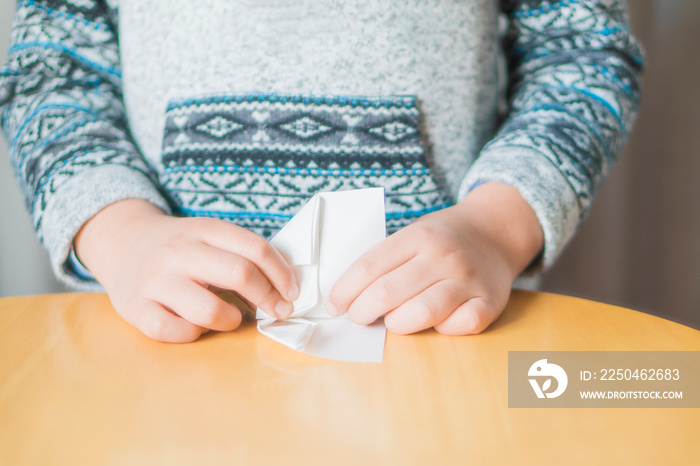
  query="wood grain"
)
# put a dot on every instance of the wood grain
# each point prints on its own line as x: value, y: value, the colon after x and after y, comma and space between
x: 80, y: 386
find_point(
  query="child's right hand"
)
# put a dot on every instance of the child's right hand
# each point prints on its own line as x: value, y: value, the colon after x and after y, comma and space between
x: 158, y: 269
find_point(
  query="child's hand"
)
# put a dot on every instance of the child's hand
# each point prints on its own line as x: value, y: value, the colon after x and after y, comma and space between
x: 452, y: 269
x: 158, y: 270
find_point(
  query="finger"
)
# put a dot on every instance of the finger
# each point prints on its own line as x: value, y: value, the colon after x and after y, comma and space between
x: 378, y: 261
x: 157, y: 323
x: 390, y: 291
x: 234, y: 298
x: 199, y: 306
x: 223, y: 269
x: 258, y: 250
x: 471, y: 318
x: 427, y: 309
x: 229, y: 296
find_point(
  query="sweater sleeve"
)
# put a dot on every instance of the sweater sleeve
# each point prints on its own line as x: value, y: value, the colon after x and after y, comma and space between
x: 573, y: 72
x: 62, y: 112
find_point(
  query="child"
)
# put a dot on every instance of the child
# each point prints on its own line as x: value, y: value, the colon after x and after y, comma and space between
x: 160, y: 143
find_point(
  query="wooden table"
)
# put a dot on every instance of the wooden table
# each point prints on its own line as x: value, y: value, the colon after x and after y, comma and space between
x: 79, y: 386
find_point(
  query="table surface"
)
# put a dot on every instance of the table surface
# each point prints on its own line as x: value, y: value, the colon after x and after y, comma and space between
x: 80, y: 386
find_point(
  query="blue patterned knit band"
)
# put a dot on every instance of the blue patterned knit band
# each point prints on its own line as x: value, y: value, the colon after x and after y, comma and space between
x: 256, y: 159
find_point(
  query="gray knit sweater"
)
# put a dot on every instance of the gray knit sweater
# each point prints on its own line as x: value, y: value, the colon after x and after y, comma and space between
x: 243, y: 109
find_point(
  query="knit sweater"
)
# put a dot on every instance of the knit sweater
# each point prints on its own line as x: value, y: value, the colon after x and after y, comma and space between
x: 242, y: 110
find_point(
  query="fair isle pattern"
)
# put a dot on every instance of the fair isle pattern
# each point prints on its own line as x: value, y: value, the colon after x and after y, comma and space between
x: 256, y: 159
x: 573, y: 94
x: 574, y: 86
x: 60, y: 98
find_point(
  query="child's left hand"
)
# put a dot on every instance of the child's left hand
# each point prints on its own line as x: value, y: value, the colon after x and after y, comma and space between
x: 452, y: 269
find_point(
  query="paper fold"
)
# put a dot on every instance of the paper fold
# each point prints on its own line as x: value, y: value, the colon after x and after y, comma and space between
x: 320, y: 242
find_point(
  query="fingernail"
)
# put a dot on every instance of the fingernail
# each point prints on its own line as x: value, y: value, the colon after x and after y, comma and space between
x: 293, y: 292
x: 283, y: 309
x: 332, y: 310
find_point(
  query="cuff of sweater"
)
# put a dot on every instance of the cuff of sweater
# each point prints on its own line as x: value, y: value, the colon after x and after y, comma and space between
x: 541, y: 184
x: 78, y: 200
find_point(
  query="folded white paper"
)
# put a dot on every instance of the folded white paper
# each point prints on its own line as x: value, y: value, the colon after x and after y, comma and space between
x: 320, y: 242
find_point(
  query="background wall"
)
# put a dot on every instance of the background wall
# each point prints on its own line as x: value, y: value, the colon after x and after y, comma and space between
x: 640, y: 247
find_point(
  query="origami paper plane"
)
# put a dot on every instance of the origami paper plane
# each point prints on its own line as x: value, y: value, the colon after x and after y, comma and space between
x: 320, y: 242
